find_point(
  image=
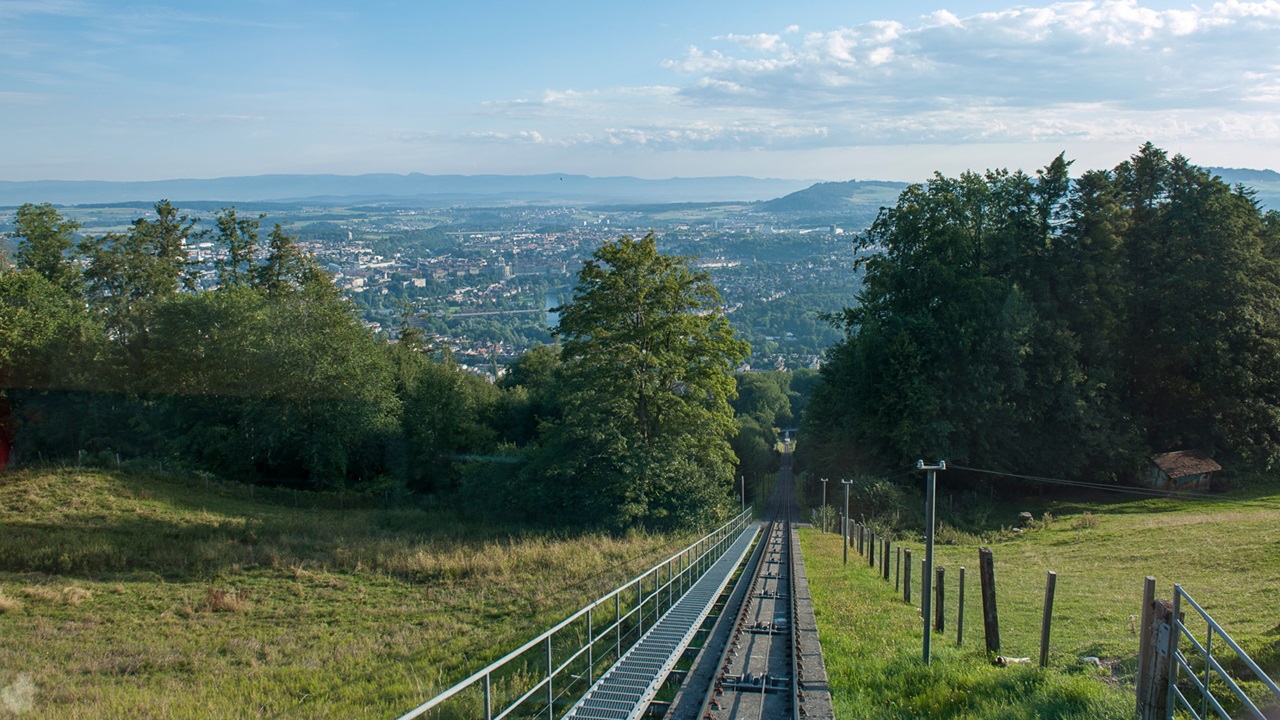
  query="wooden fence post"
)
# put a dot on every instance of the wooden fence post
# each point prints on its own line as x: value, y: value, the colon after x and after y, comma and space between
x: 1050, y: 584
x: 906, y: 576
x: 1153, y: 704
x: 940, y: 597
x: 990, y: 620
x: 884, y: 560
x: 1144, y: 642
x: 871, y: 551
x: 960, y: 611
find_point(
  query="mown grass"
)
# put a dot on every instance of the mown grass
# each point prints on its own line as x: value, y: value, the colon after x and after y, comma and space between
x: 125, y: 595
x: 1224, y: 552
x: 871, y: 645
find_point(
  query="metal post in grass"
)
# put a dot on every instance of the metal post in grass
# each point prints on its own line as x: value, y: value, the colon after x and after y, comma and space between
x: 1049, y: 584
x: 551, y: 696
x: 591, y: 649
x: 488, y: 698
x: 927, y: 571
x: 960, y: 611
x: 906, y: 576
x: 824, y: 504
x: 845, y: 542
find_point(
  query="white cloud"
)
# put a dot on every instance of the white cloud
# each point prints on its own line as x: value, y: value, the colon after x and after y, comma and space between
x: 1113, y: 72
x: 1067, y: 52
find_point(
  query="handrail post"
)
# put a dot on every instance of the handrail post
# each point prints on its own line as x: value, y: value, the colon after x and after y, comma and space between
x: 551, y: 697
x: 1174, y: 630
x: 617, y: 625
x: 591, y: 649
x: 1208, y: 666
x: 488, y: 698
x: 640, y: 605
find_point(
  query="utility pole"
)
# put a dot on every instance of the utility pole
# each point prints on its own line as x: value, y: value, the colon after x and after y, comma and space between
x: 926, y: 582
x: 844, y: 531
x: 824, y: 504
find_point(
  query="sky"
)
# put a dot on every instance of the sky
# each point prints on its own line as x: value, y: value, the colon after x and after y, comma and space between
x: 120, y: 90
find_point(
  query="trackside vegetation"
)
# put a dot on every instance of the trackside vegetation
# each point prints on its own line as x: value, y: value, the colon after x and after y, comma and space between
x: 128, y: 593
x: 111, y: 347
x: 1059, y: 326
x: 1223, y: 552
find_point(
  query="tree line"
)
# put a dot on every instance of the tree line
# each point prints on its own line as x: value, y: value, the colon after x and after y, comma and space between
x: 107, y: 345
x: 1057, y: 326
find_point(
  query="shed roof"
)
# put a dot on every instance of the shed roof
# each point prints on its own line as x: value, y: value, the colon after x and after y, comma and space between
x: 1184, y: 463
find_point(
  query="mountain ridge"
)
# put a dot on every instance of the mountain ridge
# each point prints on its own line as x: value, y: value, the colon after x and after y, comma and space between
x: 544, y: 188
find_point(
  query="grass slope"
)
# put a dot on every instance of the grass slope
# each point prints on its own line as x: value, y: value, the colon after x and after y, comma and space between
x: 1226, y: 554
x: 126, y: 595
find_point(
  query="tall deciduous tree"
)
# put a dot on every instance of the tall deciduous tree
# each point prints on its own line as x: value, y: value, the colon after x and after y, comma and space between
x: 649, y: 357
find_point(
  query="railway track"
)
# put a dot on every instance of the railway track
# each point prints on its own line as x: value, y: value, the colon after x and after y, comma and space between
x: 770, y: 665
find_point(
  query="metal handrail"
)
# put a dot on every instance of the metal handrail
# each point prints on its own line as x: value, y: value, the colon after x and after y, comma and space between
x: 700, y: 552
x: 1211, y: 665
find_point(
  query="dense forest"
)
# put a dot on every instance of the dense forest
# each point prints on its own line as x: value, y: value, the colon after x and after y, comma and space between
x: 1060, y: 327
x: 107, y: 349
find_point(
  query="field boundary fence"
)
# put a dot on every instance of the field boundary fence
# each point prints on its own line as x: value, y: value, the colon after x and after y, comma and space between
x: 1210, y: 679
x: 545, y: 676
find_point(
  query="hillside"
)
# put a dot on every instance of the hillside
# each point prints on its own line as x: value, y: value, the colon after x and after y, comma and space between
x: 130, y: 594
x: 1266, y: 183
x: 836, y: 197
x: 422, y: 190
x: 1223, y: 551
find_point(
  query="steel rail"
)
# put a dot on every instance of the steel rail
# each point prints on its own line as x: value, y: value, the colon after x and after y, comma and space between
x: 780, y: 528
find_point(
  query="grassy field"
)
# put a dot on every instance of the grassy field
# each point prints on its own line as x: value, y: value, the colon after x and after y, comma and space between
x: 131, y: 595
x: 1224, y: 552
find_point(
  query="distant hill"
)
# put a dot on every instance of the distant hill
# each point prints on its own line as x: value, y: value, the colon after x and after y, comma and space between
x: 837, y: 197
x: 429, y: 190
x: 1266, y: 183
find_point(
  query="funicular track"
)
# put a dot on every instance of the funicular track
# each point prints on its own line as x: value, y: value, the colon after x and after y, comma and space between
x: 771, y: 665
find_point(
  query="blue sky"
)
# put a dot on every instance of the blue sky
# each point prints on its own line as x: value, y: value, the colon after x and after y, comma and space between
x: 822, y: 90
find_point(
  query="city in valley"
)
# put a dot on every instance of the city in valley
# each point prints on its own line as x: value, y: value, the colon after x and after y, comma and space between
x: 484, y: 281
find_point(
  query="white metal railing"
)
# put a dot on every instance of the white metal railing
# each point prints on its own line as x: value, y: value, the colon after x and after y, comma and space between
x: 565, y: 657
x: 1201, y: 679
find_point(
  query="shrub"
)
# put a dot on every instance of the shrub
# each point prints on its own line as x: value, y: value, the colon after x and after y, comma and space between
x: 1085, y: 521
x: 219, y: 600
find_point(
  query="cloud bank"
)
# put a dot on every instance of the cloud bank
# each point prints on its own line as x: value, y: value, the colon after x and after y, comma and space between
x: 1072, y: 71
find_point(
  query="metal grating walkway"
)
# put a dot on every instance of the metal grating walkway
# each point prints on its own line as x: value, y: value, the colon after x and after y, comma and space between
x: 624, y: 691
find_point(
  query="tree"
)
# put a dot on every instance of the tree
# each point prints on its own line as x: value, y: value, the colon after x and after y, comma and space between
x: 239, y: 239
x: 47, y: 239
x: 1060, y: 327
x: 286, y: 267
x: 648, y: 358
x: 126, y: 273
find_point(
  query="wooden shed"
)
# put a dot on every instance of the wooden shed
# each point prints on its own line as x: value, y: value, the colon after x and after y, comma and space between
x: 1182, y: 470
